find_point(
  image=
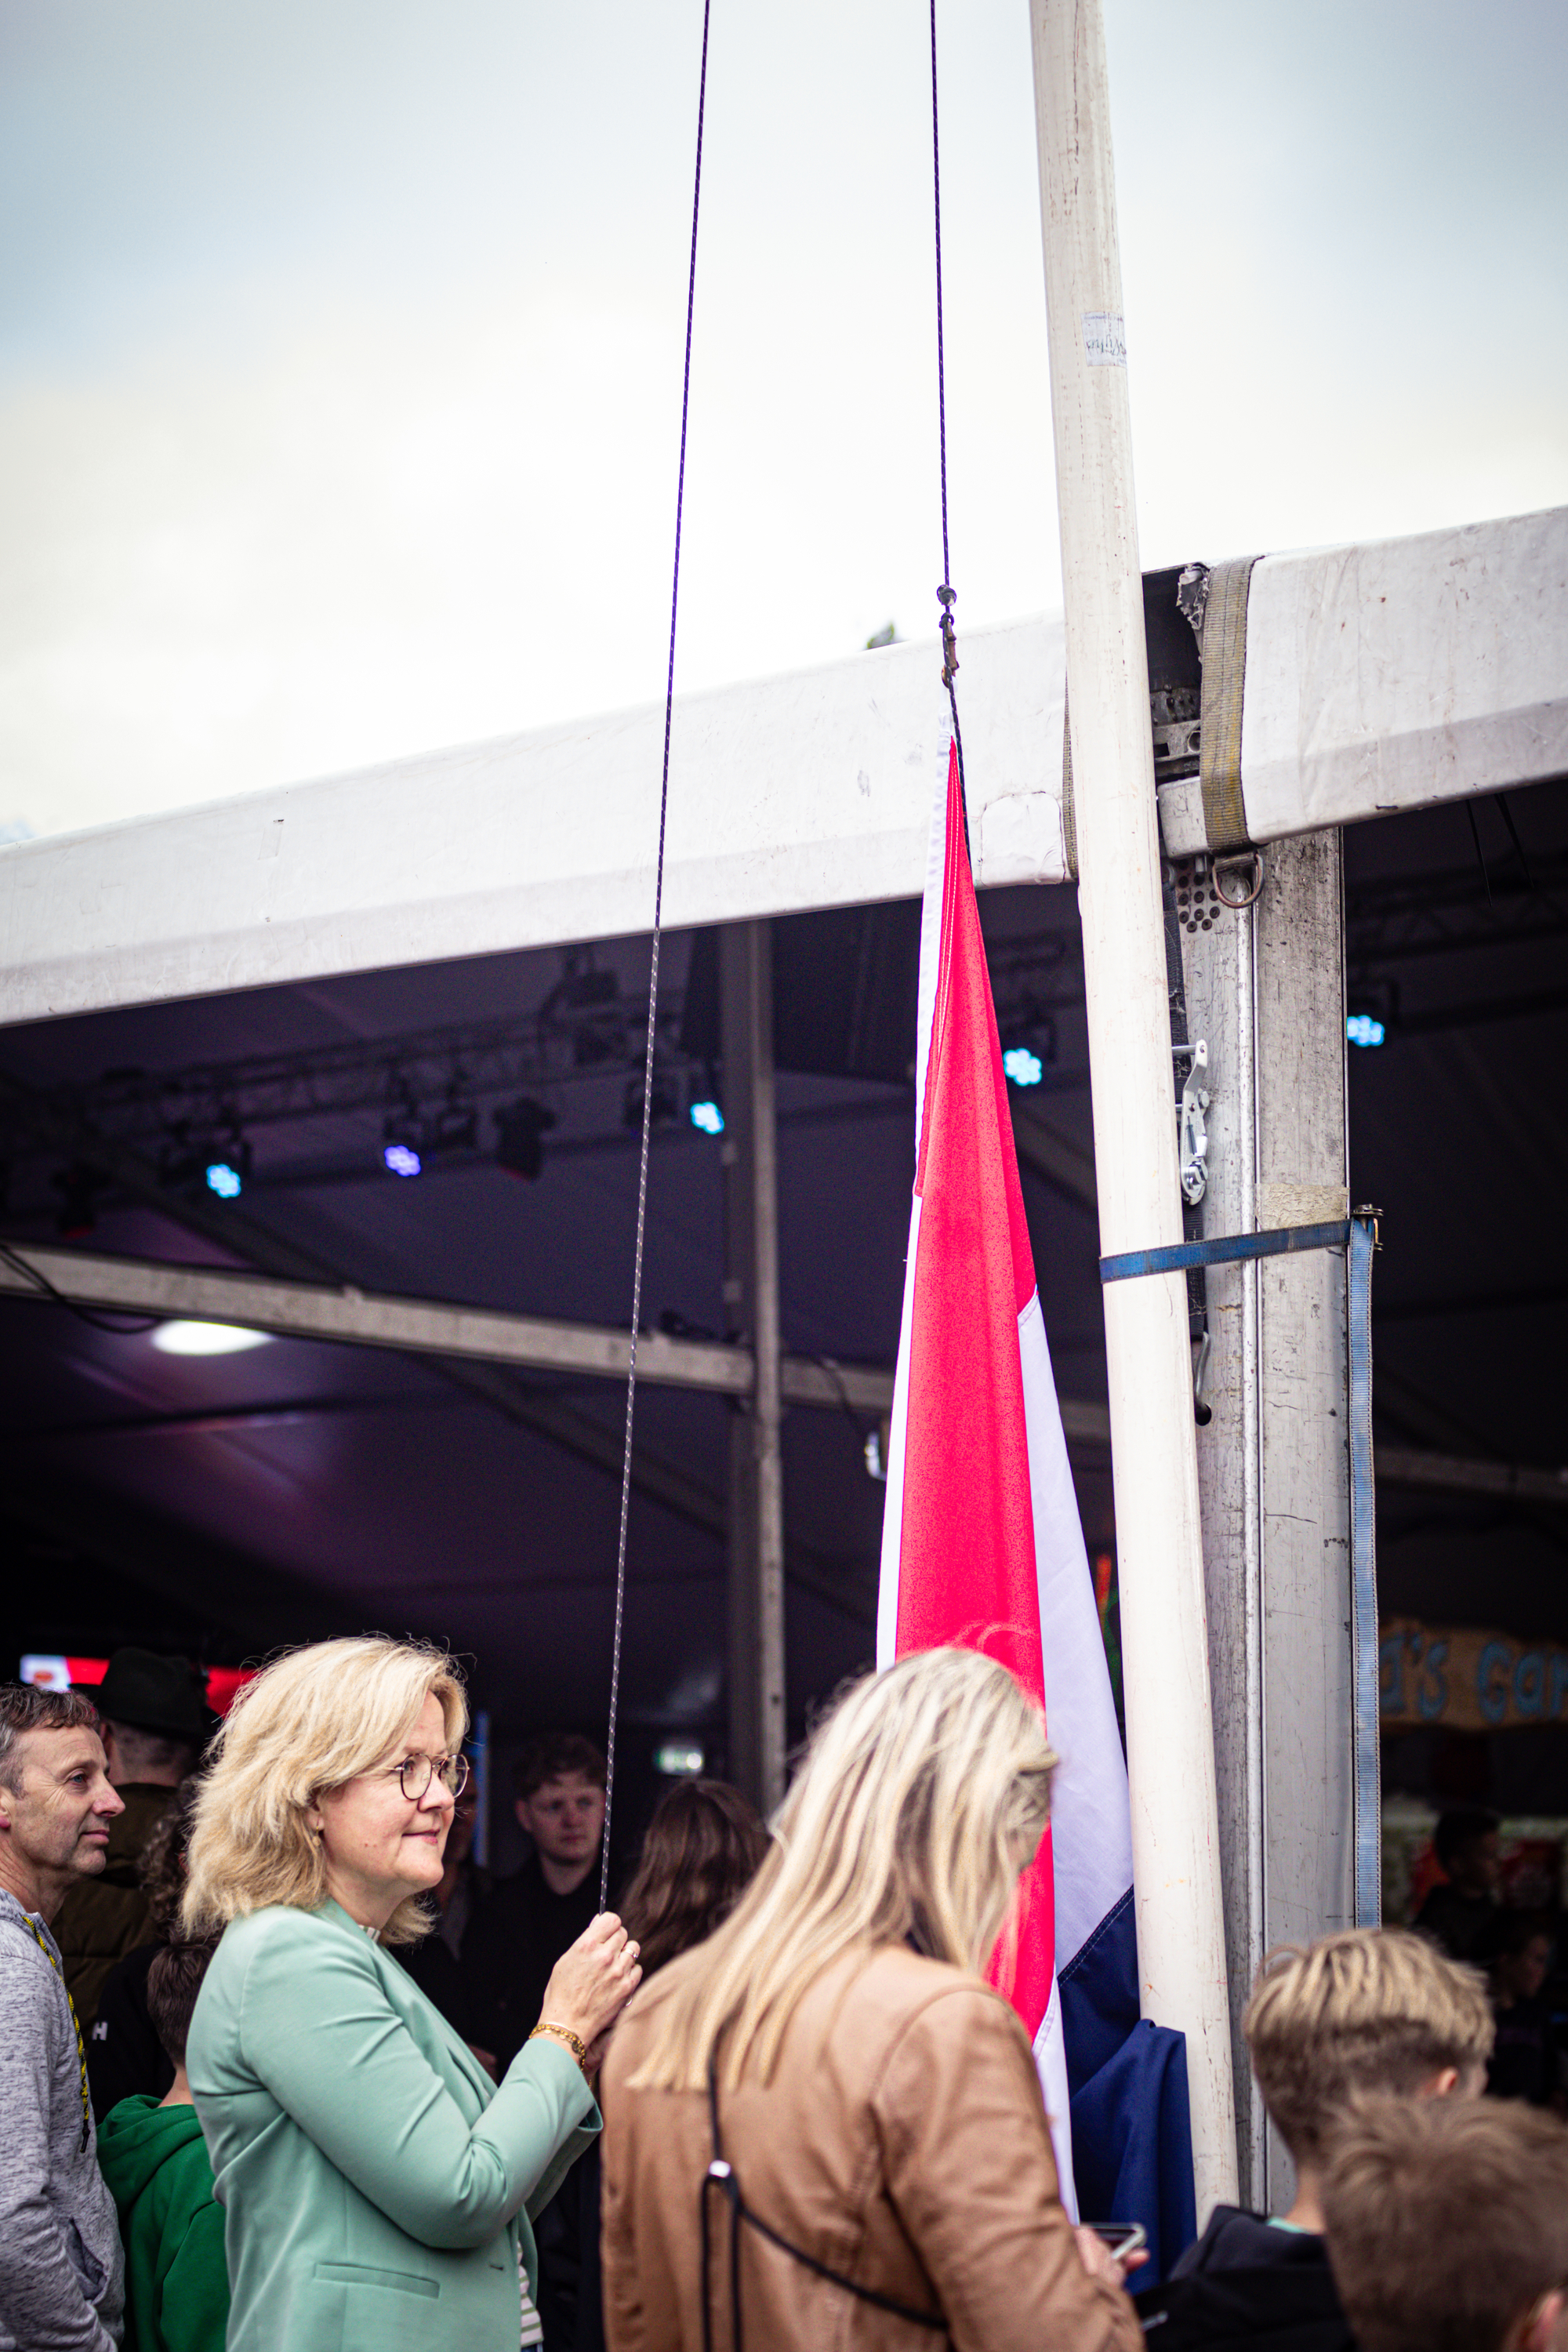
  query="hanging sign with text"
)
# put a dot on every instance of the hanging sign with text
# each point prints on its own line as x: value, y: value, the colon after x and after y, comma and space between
x: 1461, y: 1679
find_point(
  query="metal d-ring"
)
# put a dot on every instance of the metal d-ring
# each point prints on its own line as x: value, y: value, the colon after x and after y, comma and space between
x: 1253, y: 858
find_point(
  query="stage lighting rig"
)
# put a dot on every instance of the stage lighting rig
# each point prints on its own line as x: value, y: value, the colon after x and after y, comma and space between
x: 521, y: 1129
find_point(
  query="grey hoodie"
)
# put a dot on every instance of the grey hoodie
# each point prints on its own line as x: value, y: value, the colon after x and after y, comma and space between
x: 62, y: 2274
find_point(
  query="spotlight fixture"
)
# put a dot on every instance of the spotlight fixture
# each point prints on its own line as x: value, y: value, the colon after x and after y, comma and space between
x: 666, y: 1105
x: 454, y: 1129
x: 1025, y: 1068
x: 224, y: 1178
x: 402, y: 1140
x: 521, y: 1129
x: 1364, y: 1029
x: 708, y: 1117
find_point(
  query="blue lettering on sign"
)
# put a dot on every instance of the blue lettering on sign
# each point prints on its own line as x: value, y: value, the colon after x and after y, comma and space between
x: 1493, y: 1669
x: 1432, y: 1699
x: 1559, y: 1683
x: 1391, y: 1674
x: 1529, y: 1684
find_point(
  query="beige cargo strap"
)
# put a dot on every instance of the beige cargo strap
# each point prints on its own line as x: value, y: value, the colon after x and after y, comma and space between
x: 1224, y: 676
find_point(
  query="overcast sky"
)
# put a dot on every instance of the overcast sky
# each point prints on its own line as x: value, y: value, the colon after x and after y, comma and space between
x: 341, y: 338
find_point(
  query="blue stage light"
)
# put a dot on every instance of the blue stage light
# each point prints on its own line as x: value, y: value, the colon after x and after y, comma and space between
x: 402, y: 1160
x: 1025, y: 1070
x: 224, y: 1180
x: 708, y: 1117
x: 1361, y: 1029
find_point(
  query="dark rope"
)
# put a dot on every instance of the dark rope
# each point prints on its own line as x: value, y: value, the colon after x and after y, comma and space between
x: 652, y: 996
x: 946, y: 595
x: 121, y: 1324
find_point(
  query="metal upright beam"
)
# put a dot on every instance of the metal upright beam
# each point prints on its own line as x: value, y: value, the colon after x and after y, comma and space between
x: 1266, y: 989
x: 751, y: 1315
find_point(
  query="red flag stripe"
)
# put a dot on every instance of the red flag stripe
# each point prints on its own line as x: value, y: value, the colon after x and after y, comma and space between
x: 966, y: 1566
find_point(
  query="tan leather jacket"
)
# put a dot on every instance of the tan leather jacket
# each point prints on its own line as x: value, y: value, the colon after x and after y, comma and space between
x: 902, y: 2142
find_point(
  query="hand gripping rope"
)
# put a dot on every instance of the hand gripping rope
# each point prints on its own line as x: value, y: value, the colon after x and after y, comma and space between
x: 652, y: 1000
x: 1357, y: 1235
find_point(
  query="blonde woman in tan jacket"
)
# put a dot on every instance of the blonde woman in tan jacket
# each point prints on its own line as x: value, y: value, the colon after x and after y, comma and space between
x: 823, y: 2128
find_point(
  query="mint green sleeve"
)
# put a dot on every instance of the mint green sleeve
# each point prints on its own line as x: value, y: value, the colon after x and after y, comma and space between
x: 318, y: 2029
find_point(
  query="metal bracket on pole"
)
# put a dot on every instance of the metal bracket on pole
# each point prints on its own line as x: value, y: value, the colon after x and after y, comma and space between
x: 1192, y: 1144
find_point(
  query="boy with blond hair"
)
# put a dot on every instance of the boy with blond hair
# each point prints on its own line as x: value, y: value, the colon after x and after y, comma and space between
x: 1365, y: 2010
x: 1446, y: 2225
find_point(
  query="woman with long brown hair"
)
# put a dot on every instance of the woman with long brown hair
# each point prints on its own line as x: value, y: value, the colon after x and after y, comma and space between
x: 702, y: 1850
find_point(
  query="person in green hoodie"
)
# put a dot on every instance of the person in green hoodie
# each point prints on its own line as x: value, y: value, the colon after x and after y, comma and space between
x: 154, y: 2159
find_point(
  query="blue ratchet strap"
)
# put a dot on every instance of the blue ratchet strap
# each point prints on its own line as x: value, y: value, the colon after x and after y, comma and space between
x: 1177, y: 1255
x: 1357, y: 1236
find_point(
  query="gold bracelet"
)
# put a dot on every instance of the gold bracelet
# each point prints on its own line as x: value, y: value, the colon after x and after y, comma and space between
x: 573, y: 2041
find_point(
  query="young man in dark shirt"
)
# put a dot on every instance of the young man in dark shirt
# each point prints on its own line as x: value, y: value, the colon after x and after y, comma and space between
x: 1458, y: 1913
x: 521, y: 1932
x: 1365, y: 2011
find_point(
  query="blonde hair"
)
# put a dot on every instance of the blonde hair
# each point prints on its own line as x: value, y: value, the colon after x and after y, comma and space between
x: 1369, y: 2009
x: 311, y: 1721
x: 920, y: 1799
x: 1445, y: 2221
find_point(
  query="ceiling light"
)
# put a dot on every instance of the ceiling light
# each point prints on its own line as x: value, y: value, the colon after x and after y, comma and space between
x: 402, y: 1160
x: 708, y: 1117
x: 1025, y: 1070
x: 206, y: 1339
x: 225, y: 1181
x: 1364, y: 1029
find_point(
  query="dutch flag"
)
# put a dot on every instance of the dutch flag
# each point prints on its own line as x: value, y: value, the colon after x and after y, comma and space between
x: 982, y: 1546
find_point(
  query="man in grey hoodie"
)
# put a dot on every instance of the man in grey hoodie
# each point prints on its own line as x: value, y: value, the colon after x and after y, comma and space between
x: 62, y: 2274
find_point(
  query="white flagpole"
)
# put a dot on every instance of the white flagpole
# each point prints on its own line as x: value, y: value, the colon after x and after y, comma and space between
x: 1165, y: 1641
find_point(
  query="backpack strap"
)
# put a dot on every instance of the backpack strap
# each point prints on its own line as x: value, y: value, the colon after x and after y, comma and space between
x: 721, y: 2175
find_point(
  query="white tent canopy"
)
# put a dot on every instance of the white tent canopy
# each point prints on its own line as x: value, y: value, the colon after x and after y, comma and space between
x: 1380, y: 677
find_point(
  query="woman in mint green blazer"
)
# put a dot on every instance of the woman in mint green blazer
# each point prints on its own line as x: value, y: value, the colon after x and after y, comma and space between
x: 376, y: 2185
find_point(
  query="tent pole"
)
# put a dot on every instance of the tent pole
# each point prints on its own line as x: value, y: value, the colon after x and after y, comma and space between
x: 752, y: 1314
x: 1170, y: 1736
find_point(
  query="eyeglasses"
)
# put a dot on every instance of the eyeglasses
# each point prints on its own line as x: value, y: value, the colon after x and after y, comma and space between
x: 416, y: 1773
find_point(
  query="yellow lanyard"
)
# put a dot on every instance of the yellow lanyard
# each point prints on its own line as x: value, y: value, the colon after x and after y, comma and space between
x: 76, y: 2028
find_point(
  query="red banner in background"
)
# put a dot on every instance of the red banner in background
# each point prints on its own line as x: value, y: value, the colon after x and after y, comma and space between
x: 51, y: 1670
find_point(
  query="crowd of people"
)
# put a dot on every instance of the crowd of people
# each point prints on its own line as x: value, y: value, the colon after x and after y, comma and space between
x: 283, y: 2066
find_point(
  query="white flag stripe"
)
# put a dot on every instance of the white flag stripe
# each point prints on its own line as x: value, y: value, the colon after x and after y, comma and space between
x: 1051, y: 2064
x: 1091, y: 1834
x: 893, y: 1501
x: 930, y: 954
